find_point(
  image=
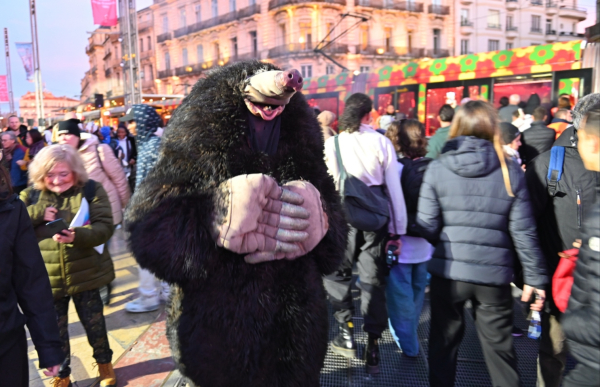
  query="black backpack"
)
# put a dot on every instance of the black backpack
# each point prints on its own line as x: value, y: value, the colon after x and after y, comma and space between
x: 89, y: 192
x: 411, y: 180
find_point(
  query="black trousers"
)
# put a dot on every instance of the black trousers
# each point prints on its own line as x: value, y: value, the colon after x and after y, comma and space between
x: 14, y: 365
x: 365, y: 248
x: 89, y: 308
x: 582, y: 376
x: 493, y: 308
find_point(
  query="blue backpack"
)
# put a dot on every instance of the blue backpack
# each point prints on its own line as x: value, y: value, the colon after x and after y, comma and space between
x: 555, y: 168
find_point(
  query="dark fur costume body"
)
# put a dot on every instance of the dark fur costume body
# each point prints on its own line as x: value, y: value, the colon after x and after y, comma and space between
x: 233, y: 323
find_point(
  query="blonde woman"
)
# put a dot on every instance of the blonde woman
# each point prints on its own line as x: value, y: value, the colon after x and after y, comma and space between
x: 474, y: 208
x: 76, y: 268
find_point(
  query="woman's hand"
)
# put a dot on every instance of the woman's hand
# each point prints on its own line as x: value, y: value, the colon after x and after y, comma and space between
x: 65, y: 236
x: 52, y: 371
x: 20, y: 163
x: 394, y: 241
x: 50, y: 214
x: 538, y: 305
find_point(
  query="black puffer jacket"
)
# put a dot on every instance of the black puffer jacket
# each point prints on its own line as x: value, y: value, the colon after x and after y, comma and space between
x: 582, y: 318
x: 466, y: 213
x: 535, y: 141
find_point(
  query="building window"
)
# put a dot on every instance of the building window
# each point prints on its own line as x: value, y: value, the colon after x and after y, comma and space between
x: 165, y: 23
x: 365, y: 69
x: 388, y: 39
x: 184, y: 56
x: 464, y: 47
x: 215, y: 8
x: 169, y: 89
x: 328, y: 31
x: 574, y: 28
x: 149, y: 41
x: 167, y: 61
x: 548, y: 25
x: 493, y: 18
x: 252, y: 2
x: 254, y: 43
x: 364, y: 38
x: 305, y: 36
x: 282, y: 34
x: 536, y: 23
x: 436, y: 40
x: 198, y: 12
x: 199, y: 53
x: 329, y: 69
x: 409, y: 41
x: 464, y: 16
x: 150, y: 73
x: 306, y: 71
x: 141, y: 44
x: 234, y: 47
x: 509, y: 45
x: 231, y: 5
x: 182, y: 21
x: 509, y: 21
x: 216, y: 51
x: 493, y: 45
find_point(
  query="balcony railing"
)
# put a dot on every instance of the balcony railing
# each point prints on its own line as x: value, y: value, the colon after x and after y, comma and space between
x: 163, y: 37
x: 215, y: 21
x: 165, y: 73
x: 512, y: 1
x: 536, y: 30
x: 439, y: 9
x: 550, y: 32
x: 566, y: 8
x: 551, y: 4
x: 494, y: 26
x: 409, y: 6
x: 592, y: 31
x: 144, y: 25
x: 280, y: 3
x: 146, y: 54
x: 437, y: 53
x: 466, y: 23
x: 512, y: 28
x: 537, y: 2
x: 191, y: 69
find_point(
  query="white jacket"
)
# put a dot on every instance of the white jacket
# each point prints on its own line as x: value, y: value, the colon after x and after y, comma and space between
x: 371, y: 158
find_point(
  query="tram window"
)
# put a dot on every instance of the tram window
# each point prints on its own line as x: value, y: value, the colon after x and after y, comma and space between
x: 435, y: 99
x: 525, y: 88
x: 383, y: 100
x: 322, y: 104
x: 407, y: 103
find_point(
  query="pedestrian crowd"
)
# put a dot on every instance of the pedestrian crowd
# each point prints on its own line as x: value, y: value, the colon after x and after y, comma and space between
x: 490, y: 206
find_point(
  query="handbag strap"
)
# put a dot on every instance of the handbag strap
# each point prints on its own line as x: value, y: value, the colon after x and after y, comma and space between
x: 339, y: 159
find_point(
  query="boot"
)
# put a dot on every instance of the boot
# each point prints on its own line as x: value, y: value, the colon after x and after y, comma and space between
x: 343, y: 344
x: 107, y: 375
x: 371, y: 355
x: 57, y: 381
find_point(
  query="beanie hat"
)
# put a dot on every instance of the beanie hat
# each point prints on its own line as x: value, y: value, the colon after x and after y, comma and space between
x: 509, y: 132
x: 69, y: 127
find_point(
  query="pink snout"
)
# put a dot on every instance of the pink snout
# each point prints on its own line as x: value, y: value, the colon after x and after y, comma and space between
x: 292, y: 79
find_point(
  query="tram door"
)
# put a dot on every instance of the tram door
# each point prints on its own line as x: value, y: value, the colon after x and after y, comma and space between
x: 325, y: 101
x: 526, y: 87
x: 403, y: 98
x: 436, y: 98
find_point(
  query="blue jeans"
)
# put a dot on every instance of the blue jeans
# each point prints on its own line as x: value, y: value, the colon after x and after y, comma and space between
x: 405, y: 293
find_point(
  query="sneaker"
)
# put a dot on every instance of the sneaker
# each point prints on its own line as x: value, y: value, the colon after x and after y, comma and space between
x: 343, y: 344
x: 517, y: 332
x: 107, y: 375
x: 371, y: 355
x: 143, y: 305
x: 57, y: 381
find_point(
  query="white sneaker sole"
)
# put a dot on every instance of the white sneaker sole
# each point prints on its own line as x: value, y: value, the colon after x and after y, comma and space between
x: 142, y: 310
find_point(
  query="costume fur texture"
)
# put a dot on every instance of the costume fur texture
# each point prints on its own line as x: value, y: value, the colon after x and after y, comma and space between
x: 232, y: 323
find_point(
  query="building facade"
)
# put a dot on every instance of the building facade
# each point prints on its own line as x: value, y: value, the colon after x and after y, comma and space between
x: 53, y: 106
x: 490, y: 25
x: 193, y: 36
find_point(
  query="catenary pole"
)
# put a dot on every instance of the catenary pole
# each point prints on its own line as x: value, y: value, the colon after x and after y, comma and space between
x: 39, y: 89
x: 11, y: 100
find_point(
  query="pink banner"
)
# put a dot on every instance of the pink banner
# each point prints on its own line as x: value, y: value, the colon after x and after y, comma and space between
x: 105, y: 12
x: 3, y: 89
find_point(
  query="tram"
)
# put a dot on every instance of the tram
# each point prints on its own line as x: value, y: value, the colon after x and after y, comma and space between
x: 419, y: 88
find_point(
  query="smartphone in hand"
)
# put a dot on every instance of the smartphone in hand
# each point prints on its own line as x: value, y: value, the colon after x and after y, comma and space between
x: 57, y: 226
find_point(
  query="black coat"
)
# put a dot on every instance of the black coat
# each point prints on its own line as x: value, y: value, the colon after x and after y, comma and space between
x: 24, y: 282
x: 581, y: 320
x: 475, y: 226
x: 535, y: 141
x: 233, y: 323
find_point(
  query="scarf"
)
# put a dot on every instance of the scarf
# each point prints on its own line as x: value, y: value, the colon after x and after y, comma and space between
x: 514, y: 154
x: 263, y: 135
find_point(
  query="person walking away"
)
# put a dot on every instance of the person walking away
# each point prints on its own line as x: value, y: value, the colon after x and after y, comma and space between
x: 503, y: 102
x: 537, y: 139
x: 143, y: 120
x: 561, y: 121
x: 582, y: 317
x: 25, y: 293
x: 533, y: 102
x: 470, y: 194
x: 102, y: 166
x: 506, y: 112
x: 75, y: 260
x: 564, y: 102
x: 326, y: 120
x: 387, y: 118
x: 438, y: 140
x: 369, y: 157
x: 511, y: 138
x: 14, y: 160
x: 407, y: 280
x: 561, y: 206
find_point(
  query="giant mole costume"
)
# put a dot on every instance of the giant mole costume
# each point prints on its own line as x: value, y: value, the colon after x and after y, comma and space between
x: 240, y: 215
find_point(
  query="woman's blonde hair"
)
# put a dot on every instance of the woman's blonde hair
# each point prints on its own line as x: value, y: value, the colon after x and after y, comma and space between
x: 47, y: 159
x: 480, y: 119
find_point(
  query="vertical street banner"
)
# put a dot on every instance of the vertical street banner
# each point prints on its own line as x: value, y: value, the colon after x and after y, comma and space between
x: 3, y: 89
x: 105, y: 12
x: 25, y: 51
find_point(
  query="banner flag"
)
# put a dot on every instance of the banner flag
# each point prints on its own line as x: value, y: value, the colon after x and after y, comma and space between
x: 25, y: 51
x: 105, y: 12
x: 3, y: 89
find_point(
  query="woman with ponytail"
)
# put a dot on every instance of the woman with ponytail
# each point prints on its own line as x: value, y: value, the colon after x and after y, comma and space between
x: 474, y: 208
